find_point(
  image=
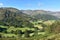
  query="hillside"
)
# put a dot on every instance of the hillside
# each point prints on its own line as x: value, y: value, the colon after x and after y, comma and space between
x: 42, y: 14
x: 28, y: 25
x: 13, y: 17
x: 46, y: 17
x: 35, y: 12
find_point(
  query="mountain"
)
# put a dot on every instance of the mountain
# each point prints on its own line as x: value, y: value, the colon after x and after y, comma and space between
x: 46, y: 17
x: 57, y: 14
x: 14, y: 17
x: 35, y: 12
x: 42, y: 14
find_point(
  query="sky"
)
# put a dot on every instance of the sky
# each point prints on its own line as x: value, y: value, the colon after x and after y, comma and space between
x: 51, y: 5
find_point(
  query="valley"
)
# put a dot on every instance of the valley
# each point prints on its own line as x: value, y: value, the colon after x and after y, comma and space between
x: 29, y: 25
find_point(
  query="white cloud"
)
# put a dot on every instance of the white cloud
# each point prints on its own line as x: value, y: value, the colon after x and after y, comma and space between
x: 1, y: 4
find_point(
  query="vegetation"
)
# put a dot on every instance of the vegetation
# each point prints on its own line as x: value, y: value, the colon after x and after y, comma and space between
x: 16, y: 25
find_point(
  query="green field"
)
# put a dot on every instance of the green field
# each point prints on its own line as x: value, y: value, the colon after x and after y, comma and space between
x: 42, y: 30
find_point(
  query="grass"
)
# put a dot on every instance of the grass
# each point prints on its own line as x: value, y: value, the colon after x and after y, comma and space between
x: 51, y: 36
x: 23, y: 29
x: 40, y: 36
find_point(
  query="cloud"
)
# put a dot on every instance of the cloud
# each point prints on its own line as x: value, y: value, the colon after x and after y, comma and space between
x: 1, y: 4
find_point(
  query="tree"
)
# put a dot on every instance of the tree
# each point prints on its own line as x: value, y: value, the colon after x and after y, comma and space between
x: 55, y: 27
x: 19, y: 33
x: 36, y: 32
x: 26, y: 33
x: 46, y: 28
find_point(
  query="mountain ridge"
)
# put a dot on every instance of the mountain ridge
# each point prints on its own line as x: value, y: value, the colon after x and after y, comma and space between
x: 32, y: 13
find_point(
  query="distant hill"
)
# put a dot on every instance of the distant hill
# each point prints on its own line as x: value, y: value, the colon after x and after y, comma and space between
x: 46, y: 17
x: 35, y: 12
x: 42, y: 14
